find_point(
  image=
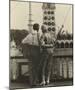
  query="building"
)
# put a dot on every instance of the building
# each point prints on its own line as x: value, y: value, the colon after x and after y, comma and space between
x: 63, y: 59
x: 18, y: 64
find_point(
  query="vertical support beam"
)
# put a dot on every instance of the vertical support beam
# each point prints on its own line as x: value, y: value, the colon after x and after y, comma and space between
x: 67, y: 68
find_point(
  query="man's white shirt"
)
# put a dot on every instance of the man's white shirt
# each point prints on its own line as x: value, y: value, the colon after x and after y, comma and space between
x: 31, y: 38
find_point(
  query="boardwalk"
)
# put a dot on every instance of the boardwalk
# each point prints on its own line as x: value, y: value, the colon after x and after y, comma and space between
x: 53, y: 84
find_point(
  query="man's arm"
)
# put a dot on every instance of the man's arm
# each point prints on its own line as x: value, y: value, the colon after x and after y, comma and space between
x: 27, y: 39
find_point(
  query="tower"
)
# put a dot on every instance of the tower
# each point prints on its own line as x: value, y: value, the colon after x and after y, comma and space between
x: 30, y: 18
x: 49, y: 16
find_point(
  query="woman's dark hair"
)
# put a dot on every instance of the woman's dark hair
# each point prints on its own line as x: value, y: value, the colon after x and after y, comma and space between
x: 36, y: 26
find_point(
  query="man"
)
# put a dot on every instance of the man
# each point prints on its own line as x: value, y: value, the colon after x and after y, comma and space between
x: 47, y: 45
x: 32, y: 38
x: 32, y: 42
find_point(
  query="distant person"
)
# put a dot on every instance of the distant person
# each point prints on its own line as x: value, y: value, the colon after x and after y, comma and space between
x: 32, y: 41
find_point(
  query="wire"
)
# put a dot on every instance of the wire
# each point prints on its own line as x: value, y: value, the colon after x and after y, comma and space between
x: 65, y: 18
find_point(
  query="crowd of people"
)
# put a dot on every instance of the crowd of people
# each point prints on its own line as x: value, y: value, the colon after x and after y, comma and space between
x: 41, y: 48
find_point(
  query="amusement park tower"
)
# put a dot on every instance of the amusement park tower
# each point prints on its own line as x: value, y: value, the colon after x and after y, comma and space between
x: 49, y: 16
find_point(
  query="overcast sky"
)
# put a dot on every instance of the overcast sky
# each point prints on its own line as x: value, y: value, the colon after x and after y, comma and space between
x: 19, y: 15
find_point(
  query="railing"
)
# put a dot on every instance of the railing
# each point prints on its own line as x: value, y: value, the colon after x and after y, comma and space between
x: 62, y: 58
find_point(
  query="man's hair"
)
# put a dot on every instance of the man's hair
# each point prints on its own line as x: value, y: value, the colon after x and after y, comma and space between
x: 36, y: 26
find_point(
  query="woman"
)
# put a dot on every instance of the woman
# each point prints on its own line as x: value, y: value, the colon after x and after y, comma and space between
x: 47, y: 43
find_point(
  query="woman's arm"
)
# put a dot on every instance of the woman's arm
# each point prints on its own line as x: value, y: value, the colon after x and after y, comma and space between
x: 47, y: 45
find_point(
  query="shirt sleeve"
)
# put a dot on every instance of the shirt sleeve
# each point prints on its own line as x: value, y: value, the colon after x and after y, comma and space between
x: 27, y: 40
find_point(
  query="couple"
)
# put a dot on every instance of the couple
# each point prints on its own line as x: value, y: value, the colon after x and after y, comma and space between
x: 41, y: 54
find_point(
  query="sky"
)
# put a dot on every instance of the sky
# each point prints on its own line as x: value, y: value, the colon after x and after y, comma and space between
x: 19, y: 15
